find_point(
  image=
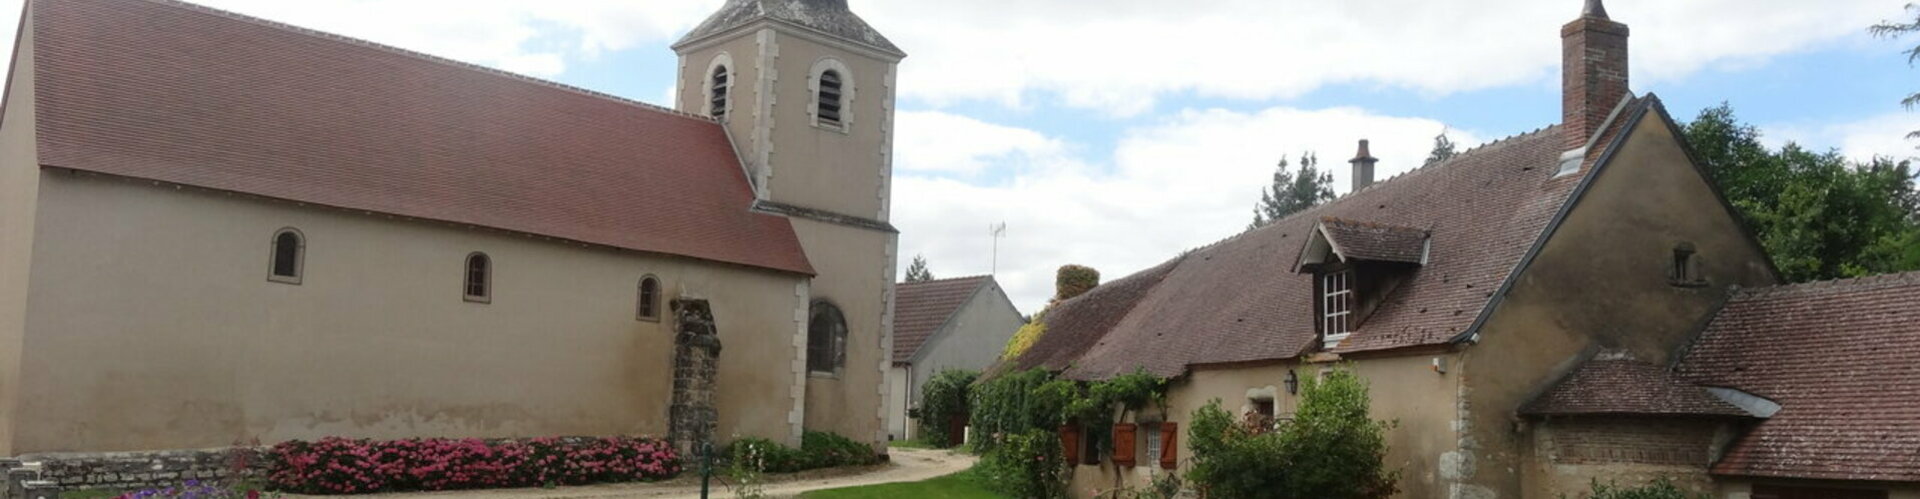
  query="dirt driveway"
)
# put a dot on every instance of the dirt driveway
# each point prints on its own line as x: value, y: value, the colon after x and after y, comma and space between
x: 908, y: 465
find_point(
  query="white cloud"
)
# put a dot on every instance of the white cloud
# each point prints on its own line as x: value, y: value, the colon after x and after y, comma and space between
x: 1883, y: 136
x: 1184, y: 182
x: 939, y: 142
x: 1120, y: 55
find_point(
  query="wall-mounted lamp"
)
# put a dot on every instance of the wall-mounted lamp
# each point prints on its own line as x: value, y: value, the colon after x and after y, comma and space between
x: 1439, y: 365
x: 1293, y: 383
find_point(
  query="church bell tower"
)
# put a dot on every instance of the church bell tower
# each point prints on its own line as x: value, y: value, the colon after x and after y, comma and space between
x: 805, y: 88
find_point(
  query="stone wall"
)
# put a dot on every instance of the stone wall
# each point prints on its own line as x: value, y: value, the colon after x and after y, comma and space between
x: 1569, y: 454
x: 138, y: 470
x: 696, y: 364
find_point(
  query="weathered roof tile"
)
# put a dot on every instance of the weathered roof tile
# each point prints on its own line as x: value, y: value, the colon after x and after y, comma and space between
x: 1842, y: 358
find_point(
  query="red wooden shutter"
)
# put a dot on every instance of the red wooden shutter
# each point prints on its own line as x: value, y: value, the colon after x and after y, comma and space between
x: 1169, y: 445
x: 1070, y: 442
x: 1123, y: 444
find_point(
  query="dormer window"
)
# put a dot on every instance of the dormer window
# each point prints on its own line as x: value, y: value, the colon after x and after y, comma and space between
x: 1336, y: 296
x: 1355, y: 266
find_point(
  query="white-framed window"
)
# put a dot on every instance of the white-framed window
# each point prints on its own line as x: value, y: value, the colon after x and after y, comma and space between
x: 288, y: 260
x: 1153, y: 443
x: 1336, y: 305
x: 833, y: 93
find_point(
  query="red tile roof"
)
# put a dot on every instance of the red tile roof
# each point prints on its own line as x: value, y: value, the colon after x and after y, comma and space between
x: 1842, y: 358
x: 1615, y: 383
x: 158, y: 90
x: 1358, y: 240
x: 921, y: 308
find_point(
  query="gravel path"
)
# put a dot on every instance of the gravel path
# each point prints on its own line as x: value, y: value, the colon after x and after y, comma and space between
x: 908, y: 465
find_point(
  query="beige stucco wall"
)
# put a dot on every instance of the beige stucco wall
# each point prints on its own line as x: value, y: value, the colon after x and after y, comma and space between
x: 151, y: 325
x: 1403, y: 389
x: 1600, y: 281
x: 971, y: 340
x: 852, y: 402
x: 19, y: 191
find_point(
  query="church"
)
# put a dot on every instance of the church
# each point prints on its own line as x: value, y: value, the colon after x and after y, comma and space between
x: 217, y: 230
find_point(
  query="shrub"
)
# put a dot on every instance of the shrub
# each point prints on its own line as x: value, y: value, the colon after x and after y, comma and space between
x: 942, y: 398
x: 817, y: 450
x: 1661, y: 488
x: 1331, y: 449
x: 1074, y: 280
x: 1027, y: 465
x: 343, y: 466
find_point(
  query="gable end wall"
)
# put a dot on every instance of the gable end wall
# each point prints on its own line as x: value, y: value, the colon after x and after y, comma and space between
x: 1600, y: 280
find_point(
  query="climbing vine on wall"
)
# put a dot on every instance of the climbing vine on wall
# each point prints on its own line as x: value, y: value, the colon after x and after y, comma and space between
x: 942, y: 399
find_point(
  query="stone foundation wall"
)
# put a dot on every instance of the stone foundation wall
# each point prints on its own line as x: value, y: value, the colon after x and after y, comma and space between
x: 151, y: 469
x: 1569, y: 454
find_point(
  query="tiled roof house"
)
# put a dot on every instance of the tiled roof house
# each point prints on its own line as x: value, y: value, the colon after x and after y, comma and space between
x: 957, y: 323
x: 1517, y: 310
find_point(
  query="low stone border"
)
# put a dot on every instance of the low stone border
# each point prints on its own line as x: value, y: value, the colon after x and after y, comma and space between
x: 148, y: 469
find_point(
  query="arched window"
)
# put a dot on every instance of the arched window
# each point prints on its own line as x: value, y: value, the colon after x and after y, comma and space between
x: 717, y: 87
x: 833, y: 94
x: 829, y: 110
x: 826, y: 339
x: 289, y: 251
x: 649, y: 309
x: 479, y: 284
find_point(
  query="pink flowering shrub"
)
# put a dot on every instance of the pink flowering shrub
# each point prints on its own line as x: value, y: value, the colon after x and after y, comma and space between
x: 343, y: 466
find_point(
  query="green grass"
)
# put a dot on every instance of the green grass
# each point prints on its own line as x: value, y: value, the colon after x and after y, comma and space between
x: 89, y: 494
x: 962, y: 485
x: 909, y: 444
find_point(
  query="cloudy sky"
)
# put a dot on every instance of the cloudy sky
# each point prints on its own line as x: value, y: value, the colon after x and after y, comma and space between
x: 1118, y: 136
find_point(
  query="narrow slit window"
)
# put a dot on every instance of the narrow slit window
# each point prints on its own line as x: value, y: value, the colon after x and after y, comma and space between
x: 1337, y: 305
x: 649, y: 299
x: 289, y: 248
x: 479, y: 285
x: 829, y: 112
x: 722, y: 82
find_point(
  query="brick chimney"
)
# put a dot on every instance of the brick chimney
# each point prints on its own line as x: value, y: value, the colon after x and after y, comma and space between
x: 1362, y: 162
x: 1593, y: 72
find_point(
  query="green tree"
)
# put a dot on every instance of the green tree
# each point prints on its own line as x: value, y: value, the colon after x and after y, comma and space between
x: 1332, y: 448
x: 917, y: 271
x: 1897, y: 29
x: 1817, y: 215
x: 1292, y: 191
x: 1443, y: 149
